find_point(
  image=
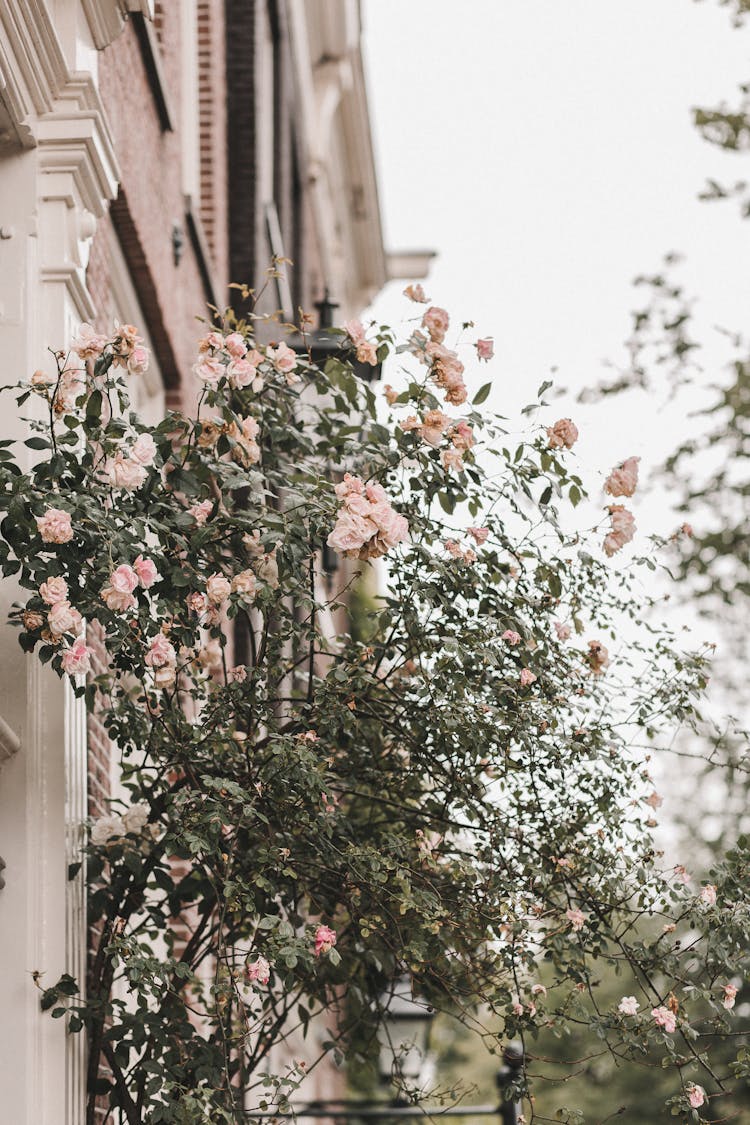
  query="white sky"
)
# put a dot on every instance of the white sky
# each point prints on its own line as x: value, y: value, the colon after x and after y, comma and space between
x: 545, y: 149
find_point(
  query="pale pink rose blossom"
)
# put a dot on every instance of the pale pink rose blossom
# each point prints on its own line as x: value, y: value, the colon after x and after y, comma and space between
x: 218, y: 588
x: 165, y: 676
x: 681, y: 874
x: 146, y: 570
x: 209, y: 371
x: 106, y: 828
x: 211, y: 657
x: 237, y: 675
x: 31, y: 620
x: 708, y: 894
x: 367, y: 352
x: 696, y: 1096
x: 730, y: 994
x: 76, y: 660
x: 390, y: 394
x: 144, y: 450
x: 563, y: 631
x: 655, y: 801
x: 576, y: 918
x: 88, y: 344
x: 478, y: 534
x: 245, y: 585
x: 664, y: 1018
x: 235, y: 345
x: 485, y: 348
x: 41, y: 380
x: 201, y: 512
x: 213, y: 342
x: 511, y: 637
x: 54, y: 590
x: 138, y: 360
x: 248, y: 449
x: 136, y: 817
x: 623, y: 529
x: 538, y: 990
x: 160, y: 652
x: 125, y: 473
x: 63, y: 618
x: 242, y: 373
x: 325, y: 939
x: 366, y: 524
x: 597, y: 657
x: 518, y: 1008
x: 623, y: 480
x: 410, y: 423
x: 283, y: 359
x: 119, y: 601
x: 416, y: 293
x: 451, y: 459
x: 527, y: 677
x: 563, y: 435
x: 687, y: 529
x: 628, y: 1006
x: 462, y: 435
x: 197, y: 603
x: 354, y: 330
x: 436, y: 321
x: 123, y: 579
x: 54, y: 526
x: 125, y: 338
x: 267, y: 569
x: 259, y: 970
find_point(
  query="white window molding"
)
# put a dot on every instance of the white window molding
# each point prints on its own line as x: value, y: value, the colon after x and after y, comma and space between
x: 106, y: 18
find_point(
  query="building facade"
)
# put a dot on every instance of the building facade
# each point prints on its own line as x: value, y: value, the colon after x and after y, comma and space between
x: 150, y: 155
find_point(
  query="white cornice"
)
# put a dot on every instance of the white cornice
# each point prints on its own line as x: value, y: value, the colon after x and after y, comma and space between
x: 31, y: 41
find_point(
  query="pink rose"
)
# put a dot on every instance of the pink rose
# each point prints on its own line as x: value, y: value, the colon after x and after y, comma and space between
x: 237, y: 675
x: 511, y: 637
x: 282, y: 357
x: 367, y: 353
x: 696, y: 1096
x: 478, y: 534
x: 655, y: 801
x: 354, y: 330
x: 138, y: 360
x: 31, y: 620
x: 664, y: 1018
x: 350, y: 533
x: 213, y: 342
x: 576, y: 918
x: 218, y: 588
x: 144, y: 449
x: 485, y: 348
x: 146, y: 571
x: 244, y: 584
x: 235, y: 345
x: 209, y: 371
x: 462, y: 435
x: 436, y: 321
x: 125, y: 338
x: 242, y: 373
x: 416, y: 293
x: 628, y: 1006
x: 451, y: 459
x: 622, y: 531
x: 201, y: 512
x: 53, y: 590
x: 160, y: 652
x: 54, y: 526
x: 708, y: 894
x: 125, y: 473
x: 76, y: 660
x: 119, y: 601
x: 623, y: 480
x: 527, y: 677
x: 88, y: 344
x: 390, y: 394
x: 63, y: 618
x: 730, y: 993
x: 197, y: 603
x: 124, y: 579
x: 597, y: 657
x: 563, y: 435
x: 259, y: 971
x: 325, y: 939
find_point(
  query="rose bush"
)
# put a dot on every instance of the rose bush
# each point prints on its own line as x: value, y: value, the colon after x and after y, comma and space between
x: 463, y: 796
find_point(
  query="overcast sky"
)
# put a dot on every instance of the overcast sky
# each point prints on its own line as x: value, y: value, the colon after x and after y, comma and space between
x: 545, y: 150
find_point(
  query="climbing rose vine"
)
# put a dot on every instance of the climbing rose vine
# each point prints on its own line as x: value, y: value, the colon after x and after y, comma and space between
x: 449, y: 781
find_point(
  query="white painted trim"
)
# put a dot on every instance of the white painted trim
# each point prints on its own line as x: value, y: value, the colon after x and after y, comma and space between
x: 106, y: 18
x: 10, y: 743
